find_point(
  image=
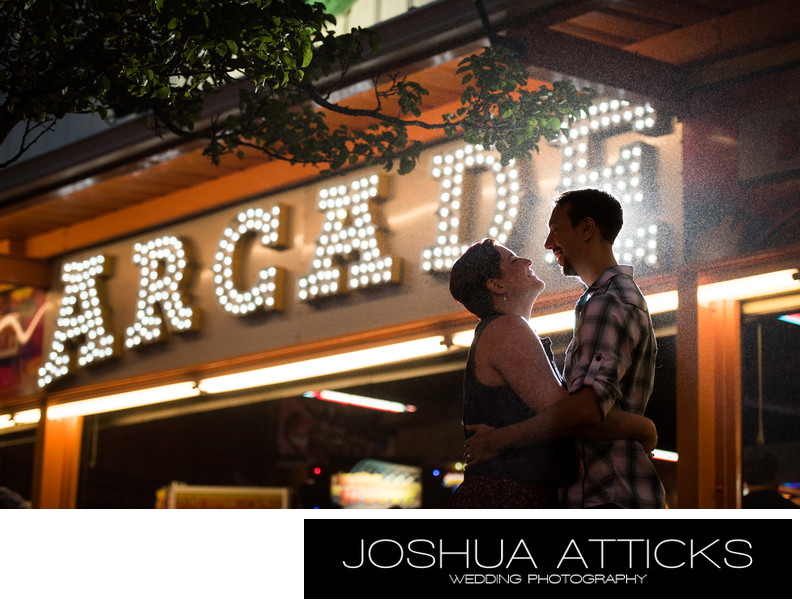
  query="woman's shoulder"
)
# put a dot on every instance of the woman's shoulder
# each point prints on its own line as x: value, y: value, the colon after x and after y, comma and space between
x: 507, y: 329
x: 506, y: 322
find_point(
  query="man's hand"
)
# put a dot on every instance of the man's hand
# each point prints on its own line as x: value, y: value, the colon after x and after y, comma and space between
x: 479, y: 447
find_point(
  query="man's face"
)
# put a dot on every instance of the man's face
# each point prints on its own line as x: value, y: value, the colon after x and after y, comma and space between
x: 562, y: 239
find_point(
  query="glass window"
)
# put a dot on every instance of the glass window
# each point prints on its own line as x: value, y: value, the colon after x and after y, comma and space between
x: 771, y: 395
x: 17, y: 450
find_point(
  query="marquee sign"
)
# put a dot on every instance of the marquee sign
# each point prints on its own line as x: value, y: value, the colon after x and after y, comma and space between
x: 351, y: 252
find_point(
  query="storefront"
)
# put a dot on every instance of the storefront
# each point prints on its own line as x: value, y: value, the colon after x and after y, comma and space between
x: 202, y: 350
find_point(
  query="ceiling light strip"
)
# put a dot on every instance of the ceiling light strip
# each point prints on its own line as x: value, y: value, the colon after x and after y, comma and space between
x: 28, y: 416
x: 125, y: 400
x: 760, y: 285
x: 326, y: 365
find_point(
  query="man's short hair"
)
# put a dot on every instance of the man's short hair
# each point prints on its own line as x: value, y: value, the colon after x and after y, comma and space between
x: 601, y: 206
x: 479, y: 263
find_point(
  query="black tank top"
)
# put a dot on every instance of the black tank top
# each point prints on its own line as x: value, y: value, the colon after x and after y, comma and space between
x: 553, y: 463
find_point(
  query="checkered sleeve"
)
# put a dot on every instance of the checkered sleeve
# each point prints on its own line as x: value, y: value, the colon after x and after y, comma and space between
x: 609, y: 331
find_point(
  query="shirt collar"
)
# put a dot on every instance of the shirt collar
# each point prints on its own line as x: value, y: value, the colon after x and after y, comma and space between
x: 610, y: 273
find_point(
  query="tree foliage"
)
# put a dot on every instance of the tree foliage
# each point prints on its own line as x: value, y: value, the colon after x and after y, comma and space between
x: 165, y: 59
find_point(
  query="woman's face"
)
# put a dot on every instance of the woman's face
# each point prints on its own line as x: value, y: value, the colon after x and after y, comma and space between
x: 516, y: 273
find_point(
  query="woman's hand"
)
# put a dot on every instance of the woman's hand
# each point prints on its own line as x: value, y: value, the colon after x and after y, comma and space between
x: 621, y: 425
x: 649, y: 440
x: 479, y: 447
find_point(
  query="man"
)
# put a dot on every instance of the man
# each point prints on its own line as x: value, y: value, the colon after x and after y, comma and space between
x: 610, y: 362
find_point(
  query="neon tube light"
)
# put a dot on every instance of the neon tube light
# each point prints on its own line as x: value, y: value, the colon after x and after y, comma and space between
x: 553, y: 323
x: 773, y: 304
x: 666, y: 456
x: 360, y: 401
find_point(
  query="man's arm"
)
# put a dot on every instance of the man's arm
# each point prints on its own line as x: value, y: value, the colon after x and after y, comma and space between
x: 576, y: 415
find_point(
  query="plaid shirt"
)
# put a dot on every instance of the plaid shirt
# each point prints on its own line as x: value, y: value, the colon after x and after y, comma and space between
x: 613, y: 350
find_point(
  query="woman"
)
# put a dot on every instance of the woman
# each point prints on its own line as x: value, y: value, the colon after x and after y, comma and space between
x: 509, y: 377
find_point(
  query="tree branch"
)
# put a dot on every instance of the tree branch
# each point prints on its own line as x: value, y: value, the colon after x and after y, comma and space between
x: 315, y: 96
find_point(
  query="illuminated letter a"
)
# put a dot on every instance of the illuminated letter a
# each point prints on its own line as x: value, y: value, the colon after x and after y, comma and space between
x: 82, y: 321
x: 350, y: 252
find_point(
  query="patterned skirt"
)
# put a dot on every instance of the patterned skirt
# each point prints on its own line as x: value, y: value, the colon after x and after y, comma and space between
x: 499, y: 492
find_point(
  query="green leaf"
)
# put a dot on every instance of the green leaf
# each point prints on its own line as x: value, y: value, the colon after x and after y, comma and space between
x: 308, y: 54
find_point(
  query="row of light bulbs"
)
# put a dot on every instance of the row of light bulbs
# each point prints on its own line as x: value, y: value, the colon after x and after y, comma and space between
x: 80, y: 314
x: 631, y: 178
x: 349, y: 254
x: 349, y: 235
x: 163, y: 270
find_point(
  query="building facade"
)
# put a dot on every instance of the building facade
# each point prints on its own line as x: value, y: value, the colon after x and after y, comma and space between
x: 171, y: 323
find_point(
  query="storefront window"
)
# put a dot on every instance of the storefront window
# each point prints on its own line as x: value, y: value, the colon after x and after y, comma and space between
x: 324, y: 453
x: 770, y: 388
x: 301, y: 443
x: 16, y: 467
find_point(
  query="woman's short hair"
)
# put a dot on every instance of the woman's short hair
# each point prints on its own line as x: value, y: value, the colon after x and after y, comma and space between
x: 479, y: 263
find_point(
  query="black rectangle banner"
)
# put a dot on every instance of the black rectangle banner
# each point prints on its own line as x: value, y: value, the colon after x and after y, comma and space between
x: 548, y: 558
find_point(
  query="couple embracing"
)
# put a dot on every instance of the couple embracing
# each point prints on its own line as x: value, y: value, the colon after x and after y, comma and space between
x: 538, y: 438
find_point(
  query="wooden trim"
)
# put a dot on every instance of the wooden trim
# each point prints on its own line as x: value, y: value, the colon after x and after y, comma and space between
x: 57, y: 462
x: 720, y: 402
x: 19, y: 270
x: 709, y: 400
x: 687, y: 393
x: 748, y: 264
